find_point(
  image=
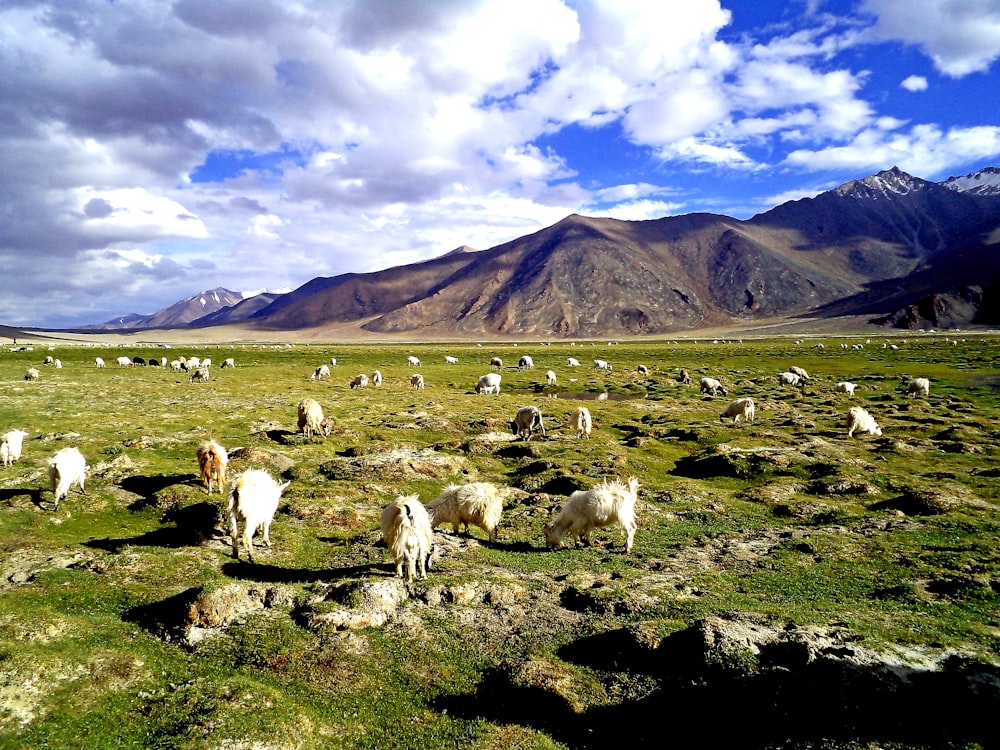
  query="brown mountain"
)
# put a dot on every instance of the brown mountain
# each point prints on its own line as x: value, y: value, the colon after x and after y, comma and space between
x: 179, y: 314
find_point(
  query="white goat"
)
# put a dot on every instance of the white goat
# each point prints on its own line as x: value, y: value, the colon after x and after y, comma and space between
x: 525, y: 421
x: 207, y: 362
x: 32, y: 374
x: 920, y: 386
x: 10, y: 447
x: 572, y: 362
x: 360, y: 381
x: 642, y: 370
x: 601, y: 364
x: 99, y: 361
x: 859, y: 420
x: 525, y: 363
x: 227, y: 363
x: 789, y: 378
x: 124, y: 362
x: 741, y: 407
x: 844, y: 386
x: 377, y: 379
x: 320, y: 372
x: 488, y: 383
x: 550, y: 377
x: 406, y: 530
x: 253, y: 498
x: 413, y: 362
x: 799, y: 371
x: 713, y: 386
x: 474, y: 504
x: 451, y: 360
x: 66, y: 467
x: 610, y: 503
x: 417, y: 381
x: 212, y: 463
x: 497, y: 363
x: 582, y: 421
x: 311, y: 419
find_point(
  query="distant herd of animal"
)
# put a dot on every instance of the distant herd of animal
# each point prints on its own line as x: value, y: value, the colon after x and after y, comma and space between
x: 407, y: 524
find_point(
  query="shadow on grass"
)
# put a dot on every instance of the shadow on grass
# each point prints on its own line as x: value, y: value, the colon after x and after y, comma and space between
x: 147, y: 488
x: 33, y: 494
x: 245, y: 570
x: 193, y: 525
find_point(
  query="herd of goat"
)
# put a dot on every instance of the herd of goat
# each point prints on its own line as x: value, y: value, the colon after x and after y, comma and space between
x: 407, y: 524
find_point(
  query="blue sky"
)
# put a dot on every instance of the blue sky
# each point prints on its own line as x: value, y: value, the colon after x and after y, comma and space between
x: 152, y: 150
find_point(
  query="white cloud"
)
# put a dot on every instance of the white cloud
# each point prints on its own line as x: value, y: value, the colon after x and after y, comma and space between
x: 640, y: 210
x: 914, y: 83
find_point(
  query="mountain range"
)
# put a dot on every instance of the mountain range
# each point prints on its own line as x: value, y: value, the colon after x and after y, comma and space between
x: 905, y: 251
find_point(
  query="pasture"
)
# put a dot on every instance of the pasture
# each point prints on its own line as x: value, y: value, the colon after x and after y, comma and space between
x: 125, y: 621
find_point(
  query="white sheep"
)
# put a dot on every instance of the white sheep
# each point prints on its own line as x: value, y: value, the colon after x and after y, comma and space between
x: 799, y: 371
x: 610, y: 503
x: 741, y: 407
x: 582, y: 421
x: 488, y: 383
x: 48, y: 360
x: 642, y: 370
x: 200, y: 375
x: 474, y: 504
x: 601, y: 364
x: 212, y: 463
x: 413, y: 362
x: 572, y: 362
x: 921, y: 386
x: 320, y: 372
x: 11, y: 445
x: 192, y: 362
x: 124, y: 362
x: 712, y: 386
x: 525, y: 421
x: 57, y: 364
x: 550, y: 377
x: 333, y: 361
x: 66, y: 467
x: 206, y: 363
x: 844, y: 386
x: 417, y: 381
x: 227, y: 363
x: 789, y: 378
x: 311, y: 419
x: 360, y: 381
x: 253, y: 498
x: 859, y: 420
x: 451, y: 360
x: 406, y: 530
x: 525, y: 363
x: 176, y: 365
x: 99, y: 362
x: 377, y: 379
x: 32, y: 374
x: 497, y: 363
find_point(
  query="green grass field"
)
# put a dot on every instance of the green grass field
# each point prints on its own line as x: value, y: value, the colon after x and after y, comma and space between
x: 109, y: 639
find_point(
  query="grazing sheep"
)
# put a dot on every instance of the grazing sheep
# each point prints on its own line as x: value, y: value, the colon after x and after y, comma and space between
x: 475, y: 504
x: 581, y: 419
x: 712, y: 386
x: 573, y: 362
x: 413, y: 362
x: 844, y: 386
x: 684, y: 376
x: 858, y: 420
x: 311, y: 419
x: 406, y: 530
x: 48, y: 360
x: 333, y: 361
x: 32, y: 374
x: 451, y: 360
x: 153, y: 362
x: 10, y: 447
x: 253, y: 498
x: 177, y: 365
x: 360, y: 381
x: 550, y: 377
x: 99, y: 362
x: 741, y: 407
x: 66, y: 467
x: 320, y: 372
x: 601, y: 364
x: 138, y: 362
x: 377, y: 379
x: 58, y: 364
x: 212, y: 463
x: 799, y: 371
x: 610, y: 503
x: 488, y: 383
x: 789, y: 378
x: 207, y: 362
x: 921, y: 386
x: 227, y: 363
x: 417, y: 381
x: 642, y: 370
x: 124, y: 362
x: 192, y: 362
x: 525, y: 421
x: 525, y: 363
x: 497, y: 363
x: 200, y: 375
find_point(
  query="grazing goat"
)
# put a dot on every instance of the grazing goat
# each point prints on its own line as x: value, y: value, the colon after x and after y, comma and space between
x: 799, y: 371
x: 474, y: 504
x: 712, y: 386
x: 497, y: 363
x: 451, y: 360
x: 99, y: 362
x: 642, y: 370
x: 601, y: 364
x: 320, y: 372
x: 66, y: 467
x: 525, y: 421
x: 413, y: 362
x: 417, y: 381
x: 844, y: 386
x: 920, y: 386
x: 610, y: 503
x: 212, y: 463
x: 525, y: 363
x: 582, y: 421
x: 377, y: 379
x: 124, y: 362
x: 572, y: 362
x: 789, y: 378
x: 200, y: 375
x: 684, y: 377
x: 360, y: 381
x: 406, y: 530
x: 48, y: 360
x: 858, y: 420
x: 10, y: 447
x: 550, y: 377
x: 741, y: 407
x: 253, y: 498
x: 32, y: 374
x: 311, y: 419
x: 333, y: 361
x: 488, y: 383
x: 227, y: 363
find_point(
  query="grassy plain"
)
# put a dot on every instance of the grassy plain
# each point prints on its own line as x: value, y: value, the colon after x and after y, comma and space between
x: 892, y: 540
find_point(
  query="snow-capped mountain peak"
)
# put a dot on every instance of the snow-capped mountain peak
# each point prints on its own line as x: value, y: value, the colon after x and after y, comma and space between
x: 984, y: 182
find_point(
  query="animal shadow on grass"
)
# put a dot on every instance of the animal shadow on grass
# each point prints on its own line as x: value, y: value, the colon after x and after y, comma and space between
x: 192, y: 526
x: 282, y: 437
x: 148, y: 488
x: 245, y: 570
x: 35, y: 495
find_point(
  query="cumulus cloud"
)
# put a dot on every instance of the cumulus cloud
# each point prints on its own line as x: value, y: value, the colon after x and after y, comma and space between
x: 914, y: 83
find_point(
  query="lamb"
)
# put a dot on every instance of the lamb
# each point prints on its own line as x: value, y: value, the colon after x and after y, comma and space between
x: 253, y: 498
x: 406, y: 530
x: 212, y: 463
x: 684, y: 376
x: 320, y: 372
x: 525, y: 363
x: 573, y: 362
x: 799, y: 371
x: 360, y: 381
x: 581, y: 418
x: 377, y: 379
x: 610, y: 503
x: 550, y: 377
x: 99, y: 362
x: 844, y: 386
x: 66, y: 467
x: 311, y: 419
x: 642, y: 370
x: 525, y: 421
x: 474, y: 504
x: 451, y: 360
x: 789, y: 378
x: 10, y: 447
x: 489, y: 383
x: 497, y: 363
x: 921, y: 386
x: 712, y: 386
x: 741, y: 407
x: 601, y: 364
x: 413, y: 362
x: 200, y: 375
x: 417, y: 381
x: 124, y: 362
x: 32, y: 374
x: 858, y: 420
x: 227, y: 363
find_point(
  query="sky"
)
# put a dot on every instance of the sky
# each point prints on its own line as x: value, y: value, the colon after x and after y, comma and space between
x: 150, y: 150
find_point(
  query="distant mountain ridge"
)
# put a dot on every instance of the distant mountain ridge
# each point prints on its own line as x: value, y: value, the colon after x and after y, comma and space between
x: 871, y: 246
